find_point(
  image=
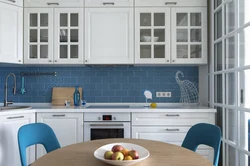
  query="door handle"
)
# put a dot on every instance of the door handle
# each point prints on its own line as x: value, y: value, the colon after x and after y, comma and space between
x: 15, y: 117
x: 170, y: 3
x: 172, y: 115
x: 172, y: 129
x: 106, y: 125
x: 108, y: 3
x: 62, y: 115
x: 14, y: 1
x: 53, y: 3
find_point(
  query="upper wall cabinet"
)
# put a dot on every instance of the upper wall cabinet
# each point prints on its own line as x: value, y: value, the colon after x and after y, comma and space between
x: 109, y: 3
x: 189, y: 35
x: 53, y: 3
x: 109, y: 36
x: 13, y: 2
x: 152, y: 35
x: 53, y: 36
x: 151, y: 3
x: 11, y: 33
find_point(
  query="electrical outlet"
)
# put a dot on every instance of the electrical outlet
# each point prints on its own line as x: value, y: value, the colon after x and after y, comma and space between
x: 163, y: 94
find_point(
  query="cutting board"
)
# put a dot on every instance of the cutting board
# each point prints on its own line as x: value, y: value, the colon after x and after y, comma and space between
x: 60, y: 94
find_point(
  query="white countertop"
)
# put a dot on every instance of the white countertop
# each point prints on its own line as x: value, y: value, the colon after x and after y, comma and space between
x: 115, y: 107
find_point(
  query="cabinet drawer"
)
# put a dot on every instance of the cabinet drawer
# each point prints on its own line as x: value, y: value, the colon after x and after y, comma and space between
x: 168, y: 134
x: 13, y: 2
x: 171, y: 3
x: 109, y: 3
x: 53, y: 3
x: 173, y: 118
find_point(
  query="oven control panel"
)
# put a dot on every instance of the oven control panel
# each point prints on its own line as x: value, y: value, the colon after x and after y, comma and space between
x: 94, y: 116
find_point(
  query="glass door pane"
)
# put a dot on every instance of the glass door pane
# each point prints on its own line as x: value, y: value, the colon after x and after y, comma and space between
x: 145, y: 51
x: 230, y: 53
x: 244, y: 49
x: 231, y: 125
x: 145, y: 19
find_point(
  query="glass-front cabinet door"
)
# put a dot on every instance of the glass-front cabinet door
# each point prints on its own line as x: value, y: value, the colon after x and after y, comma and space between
x: 38, y: 40
x: 68, y: 36
x: 189, y: 35
x: 152, y: 36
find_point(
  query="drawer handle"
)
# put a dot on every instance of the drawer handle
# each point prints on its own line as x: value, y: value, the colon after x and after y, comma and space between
x: 108, y: 3
x: 170, y: 3
x: 106, y: 125
x: 172, y: 129
x: 52, y: 3
x: 172, y: 115
x: 62, y: 115
x: 15, y: 117
x: 12, y: 1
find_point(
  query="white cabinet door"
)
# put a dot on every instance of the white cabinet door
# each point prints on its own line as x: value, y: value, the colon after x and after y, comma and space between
x: 38, y: 36
x: 68, y: 36
x: 109, y: 36
x: 11, y: 33
x: 152, y: 36
x: 9, y: 126
x: 13, y: 2
x: 163, y: 3
x: 68, y: 128
x: 109, y: 3
x: 189, y: 35
x: 53, y: 3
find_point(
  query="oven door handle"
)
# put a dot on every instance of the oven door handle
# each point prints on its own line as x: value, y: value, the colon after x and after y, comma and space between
x: 106, y: 125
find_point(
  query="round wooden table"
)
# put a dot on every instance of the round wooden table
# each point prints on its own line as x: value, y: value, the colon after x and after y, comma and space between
x: 161, y: 154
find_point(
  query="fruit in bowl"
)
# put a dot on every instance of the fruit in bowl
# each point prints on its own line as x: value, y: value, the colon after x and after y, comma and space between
x: 129, y: 154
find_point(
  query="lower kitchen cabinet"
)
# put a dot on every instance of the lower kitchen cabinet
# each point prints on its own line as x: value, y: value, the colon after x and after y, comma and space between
x: 68, y: 128
x: 9, y: 151
x: 170, y: 127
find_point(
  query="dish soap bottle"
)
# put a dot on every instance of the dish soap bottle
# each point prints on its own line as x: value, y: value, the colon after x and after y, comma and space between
x: 76, y: 97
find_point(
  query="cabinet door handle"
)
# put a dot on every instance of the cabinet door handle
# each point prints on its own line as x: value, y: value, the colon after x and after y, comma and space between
x: 170, y: 3
x: 172, y: 129
x: 52, y: 3
x: 172, y: 115
x: 106, y: 125
x: 15, y: 117
x: 61, y: 115
x: 108, y: 3
x: 14, y: 1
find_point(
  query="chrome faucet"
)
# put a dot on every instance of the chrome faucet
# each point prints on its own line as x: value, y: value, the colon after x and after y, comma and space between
x: 6, y: 102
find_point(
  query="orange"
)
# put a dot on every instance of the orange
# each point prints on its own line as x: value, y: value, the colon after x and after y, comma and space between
x: 125, y: 152
x: 128, y: 158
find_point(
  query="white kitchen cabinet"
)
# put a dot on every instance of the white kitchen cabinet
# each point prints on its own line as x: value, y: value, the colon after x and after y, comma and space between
x: 109, y: 36
x: 171, y: 35
x: 189, y: 35
x: 53, y: 3
x: 13, y: 2
x: 170, y: 127
x: 152, y: 35
x: 53, y: 36
x: 161, y: 3
x: 9, y: 126
x: 38, y: 36
x: 68, y: 36
x: 68, y: 128
x: 109, y: 3
x: 11, y: 33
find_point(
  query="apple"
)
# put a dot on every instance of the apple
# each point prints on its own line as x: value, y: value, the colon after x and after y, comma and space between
x: 117, y: 156
x: 134, y: 154
x: 108, y: 154
x: 125, y: 152
x: 128, y: 158
x: 117, y: 148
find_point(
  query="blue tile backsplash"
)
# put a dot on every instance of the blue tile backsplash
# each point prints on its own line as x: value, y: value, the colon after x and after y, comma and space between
x: 100, y: 84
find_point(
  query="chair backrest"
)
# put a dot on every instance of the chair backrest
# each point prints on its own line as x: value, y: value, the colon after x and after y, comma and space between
x: 203, y: 133
x: 36, y: 133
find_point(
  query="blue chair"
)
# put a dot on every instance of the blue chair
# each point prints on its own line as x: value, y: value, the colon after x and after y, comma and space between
x: 36, y: 133
x: 207, y: 134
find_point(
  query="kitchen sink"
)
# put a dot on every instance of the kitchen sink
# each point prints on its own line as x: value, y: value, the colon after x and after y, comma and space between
x: 14, y: 108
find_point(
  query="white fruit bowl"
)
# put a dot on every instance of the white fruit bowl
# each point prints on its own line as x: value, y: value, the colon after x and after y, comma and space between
x: 143, y: 154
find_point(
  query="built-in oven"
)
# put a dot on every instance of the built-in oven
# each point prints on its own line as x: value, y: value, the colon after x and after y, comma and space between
x: 106, y: 125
